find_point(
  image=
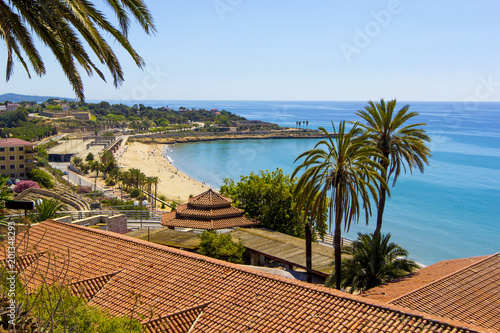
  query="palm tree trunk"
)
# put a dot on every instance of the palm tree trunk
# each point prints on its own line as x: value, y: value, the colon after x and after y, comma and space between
x: 381, y: 200
x: 308, y: 252
x: 337, y: 238
x: 380, y: 210
x: 338, y: 258
x: 156, y: 187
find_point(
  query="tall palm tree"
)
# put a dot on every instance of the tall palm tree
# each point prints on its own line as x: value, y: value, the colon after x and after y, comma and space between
x: 372, y: 261
x: 401, y: 145
x: 95, y: 166
x: 343, y: 168
x: 156, y: 181
x: 66, y: 26
x: 136, y: 175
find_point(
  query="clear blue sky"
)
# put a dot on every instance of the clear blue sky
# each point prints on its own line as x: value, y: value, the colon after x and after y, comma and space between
x: 296, y: 50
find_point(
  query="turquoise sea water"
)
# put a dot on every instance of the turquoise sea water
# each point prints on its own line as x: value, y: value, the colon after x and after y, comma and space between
x: 450, y: 211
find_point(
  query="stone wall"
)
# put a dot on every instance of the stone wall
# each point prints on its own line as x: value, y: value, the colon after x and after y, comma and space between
x: 116, y: 223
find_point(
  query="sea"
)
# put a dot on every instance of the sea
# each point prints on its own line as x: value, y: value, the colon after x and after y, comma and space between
x: 450, y: 211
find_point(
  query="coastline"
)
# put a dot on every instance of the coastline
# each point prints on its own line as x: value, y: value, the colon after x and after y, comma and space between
x: 148, y: 157
x: 147, y: 154
x: 179, y: 137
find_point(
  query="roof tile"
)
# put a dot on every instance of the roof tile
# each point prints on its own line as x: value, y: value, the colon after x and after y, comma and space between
x: 235, y: 298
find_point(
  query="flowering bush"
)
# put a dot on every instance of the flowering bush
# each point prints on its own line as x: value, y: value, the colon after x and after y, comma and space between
x: 83, y: 189
x: 25, y: 184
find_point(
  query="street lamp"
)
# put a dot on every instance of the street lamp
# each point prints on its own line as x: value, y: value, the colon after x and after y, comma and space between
x: 143, y: 203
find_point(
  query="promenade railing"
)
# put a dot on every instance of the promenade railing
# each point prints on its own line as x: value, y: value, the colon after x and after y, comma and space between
x: 328, y: 238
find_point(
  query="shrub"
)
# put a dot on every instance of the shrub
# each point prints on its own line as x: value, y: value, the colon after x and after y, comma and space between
x: 41, y: 177
x: 221, y: 246
x: 25, y: 184
x: 135, y: 193
x: 42, y: 161
x: 83, y: 189
x: 110, y: 181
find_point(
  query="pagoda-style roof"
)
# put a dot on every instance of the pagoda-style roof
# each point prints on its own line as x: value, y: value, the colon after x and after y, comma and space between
x: 208, y: 210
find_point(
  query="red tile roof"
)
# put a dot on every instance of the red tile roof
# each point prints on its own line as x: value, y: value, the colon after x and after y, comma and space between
x: 224, y: 297
x: 471, y: 295
x: 418, y: 279
x: 208, y: 211
x: 15, y: 142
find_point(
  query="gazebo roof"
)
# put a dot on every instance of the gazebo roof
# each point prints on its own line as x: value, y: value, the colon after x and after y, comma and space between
x: 208, y: 210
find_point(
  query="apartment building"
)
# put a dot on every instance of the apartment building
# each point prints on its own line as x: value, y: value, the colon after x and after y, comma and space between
x: 16, y: 158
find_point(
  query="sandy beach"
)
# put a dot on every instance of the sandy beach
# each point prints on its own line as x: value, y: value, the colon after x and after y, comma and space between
x: 173, y: 183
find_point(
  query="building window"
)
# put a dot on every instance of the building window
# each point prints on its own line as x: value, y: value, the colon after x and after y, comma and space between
x: 2, y: 158
x: 21, y: 157
x: 21, y: 148
x: 2, y: 149
x: 21, y: 166
x: 12, y: 158
x: 21, y: 174
x: 2, y: 167
x: 12, y: 148
x: 12, y: 166
x: 12, y: 175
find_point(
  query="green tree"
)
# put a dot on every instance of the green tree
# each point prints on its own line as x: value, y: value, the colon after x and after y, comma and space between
x: 401, y: 145
x: 95, y: 166
x: 89, y: 157
x: 372, y: 261
x: 46, y: 209
x: 342, y: 167
x: 221, y: 246
x: 268, y: 198
x: 41, y: 177
x: 66, y: 27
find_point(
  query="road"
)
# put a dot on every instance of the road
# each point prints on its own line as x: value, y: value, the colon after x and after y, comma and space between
x: 76, y: 179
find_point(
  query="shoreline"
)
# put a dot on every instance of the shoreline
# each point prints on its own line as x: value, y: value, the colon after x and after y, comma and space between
x: 147, y: 154
x: 173, y: 138
x: 174, y: 184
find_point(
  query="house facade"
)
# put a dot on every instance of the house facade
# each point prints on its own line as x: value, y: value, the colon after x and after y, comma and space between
x: 16, y: 158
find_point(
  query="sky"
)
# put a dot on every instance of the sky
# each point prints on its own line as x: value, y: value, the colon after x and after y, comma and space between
x: 412, y: 50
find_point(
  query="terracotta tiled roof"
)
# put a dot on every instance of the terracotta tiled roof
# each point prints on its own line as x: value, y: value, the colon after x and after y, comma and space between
x: 179, y: 322
x: 241, y: 221
x: 418, y: 279
x: 208, y: 211
x: 170, y: 282
x: 89, y: 287
x: 209, y: 199
x: 471, y: 295
x: 15, y: 142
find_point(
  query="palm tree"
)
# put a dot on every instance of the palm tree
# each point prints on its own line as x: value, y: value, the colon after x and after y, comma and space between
x: 342, y: 167
x: 66, y: 27
x: 372, y: 261
x: 47, y: 209
x: 401, y: 145
x: 148, y: 184
x: 156, y: 180
x: 136, y: 176
x: 95, y: 166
